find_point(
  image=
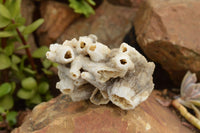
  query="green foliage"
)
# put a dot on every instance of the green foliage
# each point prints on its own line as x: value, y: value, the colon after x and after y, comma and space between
x: 9, y: 49
x: 6, y: 34
x: 4, y: 12
x: 43, y: 87
x: 4, y: 21
x: 36, y: 99
x: 15, y: 59
x: 82, y: 6
x: 25, y: 94
x: 6, y: 99
x: 11, y: 118
x: 32, y: 27
x: 23, y: 47
x: 40, y: 52
x: 5, y: 61
x: 7, y: 102
x: 8, y: 117
x: 29, y: 83
x: 18, y: 79
x: 5, y: 88
x: 14, y: 7
x: 32, y: 92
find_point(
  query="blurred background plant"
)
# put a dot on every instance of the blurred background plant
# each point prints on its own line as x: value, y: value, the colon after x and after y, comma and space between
x: 82, y: 6
x: 24, y: 78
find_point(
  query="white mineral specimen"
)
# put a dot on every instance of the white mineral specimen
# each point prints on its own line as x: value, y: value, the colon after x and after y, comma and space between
x: 90, y: 70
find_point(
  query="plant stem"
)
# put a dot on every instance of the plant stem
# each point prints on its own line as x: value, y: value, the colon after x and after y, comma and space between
x: 26, y: 49
x: 3, y: 42
x: 192, y: 119
x: 5, y: 75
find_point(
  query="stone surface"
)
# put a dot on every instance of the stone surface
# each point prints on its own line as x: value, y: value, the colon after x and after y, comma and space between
x: 110, y: 23
x: 61, y: 115
x: 168, y: 32
x: 129, y: 3
x: 57, y: 16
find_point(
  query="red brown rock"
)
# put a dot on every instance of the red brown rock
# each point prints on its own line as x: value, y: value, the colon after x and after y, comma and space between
x: 61, y: 115
x: 129, y: 3
x: 57, y: 16
x: 168, y: 32
x: 110, y: 24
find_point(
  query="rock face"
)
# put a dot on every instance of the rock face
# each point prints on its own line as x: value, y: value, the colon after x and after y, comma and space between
x: 168, y: 32
x: 61, y: 115
x: 110, y: 23
x: 129, y: 3
x: 58, y: 17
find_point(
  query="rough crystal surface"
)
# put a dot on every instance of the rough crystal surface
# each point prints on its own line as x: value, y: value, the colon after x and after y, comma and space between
x: 89, y: 69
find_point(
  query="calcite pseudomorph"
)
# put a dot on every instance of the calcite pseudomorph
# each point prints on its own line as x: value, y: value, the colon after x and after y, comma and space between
x: 89, y: 69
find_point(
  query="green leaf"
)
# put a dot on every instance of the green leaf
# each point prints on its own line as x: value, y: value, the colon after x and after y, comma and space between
x: 5, y: 61
x: 32, y: 27
x: 2, y: 110
x: 40, y: 52
x: 4, y: 21
x: 4, y: 12
x: 91, y: 2
x: 12, y: 26
x: 15, y: 59
x: 46, y: 63
x: 5, y: 88
x: 30, y: 71
x: 55, y: 64
x: 15, y: 8
x: 6, y: 34
x: 24, y: 57
x: 7, y: 3
x: 29, y: 83
x: 20, y: 20
x: 6, y: 102
x: 81, y: 6
x: 9, y: 49
x: 19, y: 74
x: 43, y: 87
x: 11, y: 118
x: 48, y: 97
x: 1, y: 50
x: 23, y: 47
x: 47, y: 72
x: 13, y: 84
x: 36, y: 99
x: 25, y: 94
x: 14, y: 67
